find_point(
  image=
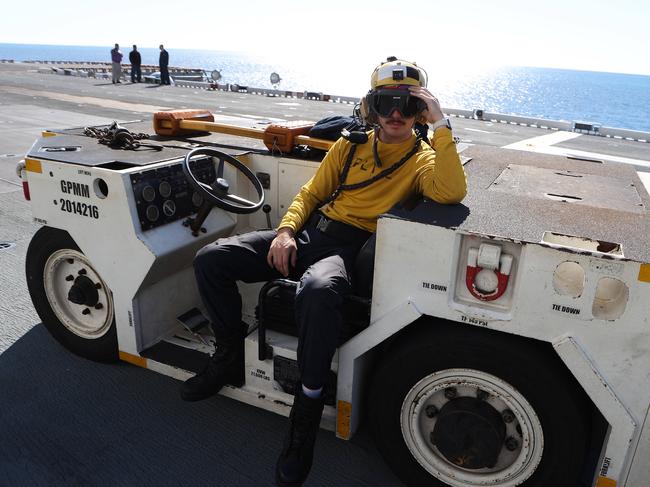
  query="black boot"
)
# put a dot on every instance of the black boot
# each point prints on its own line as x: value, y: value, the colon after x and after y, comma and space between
x: 295, y: 460
x: 226, y: 366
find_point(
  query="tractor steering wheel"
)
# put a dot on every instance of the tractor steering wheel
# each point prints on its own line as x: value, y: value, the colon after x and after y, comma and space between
x: 217, y: 193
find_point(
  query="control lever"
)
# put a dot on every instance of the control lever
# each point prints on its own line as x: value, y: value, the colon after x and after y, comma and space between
x: 267, y: 210
x: 196, y: 223
x: 220, y: 187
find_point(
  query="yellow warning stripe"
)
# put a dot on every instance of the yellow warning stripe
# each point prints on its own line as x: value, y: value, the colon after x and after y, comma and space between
x: 343, y: 413
x: 605, y: 482
x: 133, y: 359
x: 32, y: 165
x: 644, y: 273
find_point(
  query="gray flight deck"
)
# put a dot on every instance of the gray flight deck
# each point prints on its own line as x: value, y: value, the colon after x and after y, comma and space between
x: 68, y: 421
x: 600, y: 201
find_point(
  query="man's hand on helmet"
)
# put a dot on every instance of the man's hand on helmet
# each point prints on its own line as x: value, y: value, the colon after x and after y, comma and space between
x: 433, y: 113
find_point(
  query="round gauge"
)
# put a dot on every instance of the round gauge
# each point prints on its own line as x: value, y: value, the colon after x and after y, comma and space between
x: 165, y: 189
x: 197, y: 199
x: 152, y: 213
x: 169, y: 208
x: 148, y: 193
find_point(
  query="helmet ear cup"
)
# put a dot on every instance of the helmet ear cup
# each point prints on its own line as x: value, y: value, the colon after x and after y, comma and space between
x: 365, y: 109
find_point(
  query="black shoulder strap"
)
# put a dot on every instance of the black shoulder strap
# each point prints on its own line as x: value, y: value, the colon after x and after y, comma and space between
x: 385, y: 173
x: 343, y: 176
x: 422, y: 131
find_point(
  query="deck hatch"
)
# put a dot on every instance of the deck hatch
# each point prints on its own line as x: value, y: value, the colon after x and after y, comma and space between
x: 569, y: 187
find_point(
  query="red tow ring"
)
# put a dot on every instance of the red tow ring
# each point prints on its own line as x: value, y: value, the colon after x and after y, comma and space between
x: 503, y: 275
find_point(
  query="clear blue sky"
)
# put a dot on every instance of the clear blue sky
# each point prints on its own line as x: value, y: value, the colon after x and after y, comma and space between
x: 594, y: 35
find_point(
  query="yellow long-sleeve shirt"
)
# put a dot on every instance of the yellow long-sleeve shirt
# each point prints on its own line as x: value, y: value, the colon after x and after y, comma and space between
x: 435, y: 173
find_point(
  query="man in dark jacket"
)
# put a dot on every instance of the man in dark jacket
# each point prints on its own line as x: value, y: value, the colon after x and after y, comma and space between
x: 163, y: 63
x: 136, y: 61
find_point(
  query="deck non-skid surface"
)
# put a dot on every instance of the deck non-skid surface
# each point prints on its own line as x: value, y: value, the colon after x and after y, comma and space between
x: 67, y: 421
x: 526, y: 215
x: 520, y: 196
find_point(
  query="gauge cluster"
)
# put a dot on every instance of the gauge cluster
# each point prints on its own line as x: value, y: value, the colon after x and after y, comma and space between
x: 163, y: 195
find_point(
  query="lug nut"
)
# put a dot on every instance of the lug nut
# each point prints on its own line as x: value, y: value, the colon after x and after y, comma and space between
x: 82, y: 272
x: 69, y: 277
x: 99, y: 306
x: 508, y: 416
x: 511, y: 443
x: 451, y: 392
x: 98, y: 285
x: 482, y: 395
x: 431, y: 411
x: 86, y: 311
x: 70, y: 261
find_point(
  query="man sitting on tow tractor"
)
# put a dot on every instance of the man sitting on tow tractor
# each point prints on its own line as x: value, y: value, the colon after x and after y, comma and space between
x: 318, y: 239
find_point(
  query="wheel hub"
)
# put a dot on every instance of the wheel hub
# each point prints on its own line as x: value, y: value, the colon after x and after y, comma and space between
x: 469, y: 433
x: 85, y: 308
x: 468, y: 428
x: 83, y: 291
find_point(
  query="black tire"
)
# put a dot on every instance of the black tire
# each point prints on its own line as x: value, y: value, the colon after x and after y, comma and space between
x: 529, y: 366
x: 45, y: 242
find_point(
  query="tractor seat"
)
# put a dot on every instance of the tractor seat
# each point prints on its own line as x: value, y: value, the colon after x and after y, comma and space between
x: 275, y: 310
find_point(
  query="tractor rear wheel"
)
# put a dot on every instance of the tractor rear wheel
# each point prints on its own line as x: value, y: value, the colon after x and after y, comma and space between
x: 459, y: 406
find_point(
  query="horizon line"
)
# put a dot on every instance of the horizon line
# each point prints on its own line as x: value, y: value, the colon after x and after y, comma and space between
x: 496, y: 66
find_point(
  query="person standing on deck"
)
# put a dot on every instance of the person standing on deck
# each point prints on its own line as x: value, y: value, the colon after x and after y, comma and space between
x: 318, y: 240
x: 163, y: 63
x: 116, y: 58
x: 136, y: 62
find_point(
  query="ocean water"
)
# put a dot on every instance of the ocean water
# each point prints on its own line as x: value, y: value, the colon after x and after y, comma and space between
x: 611, y: 99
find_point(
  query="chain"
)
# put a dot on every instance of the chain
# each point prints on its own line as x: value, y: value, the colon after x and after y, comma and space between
x: 118, y: 137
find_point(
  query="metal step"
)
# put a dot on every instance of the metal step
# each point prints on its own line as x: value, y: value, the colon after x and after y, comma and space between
x: 177, y: 356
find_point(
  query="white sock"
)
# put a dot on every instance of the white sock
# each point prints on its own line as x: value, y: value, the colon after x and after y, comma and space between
x: 313, y: 393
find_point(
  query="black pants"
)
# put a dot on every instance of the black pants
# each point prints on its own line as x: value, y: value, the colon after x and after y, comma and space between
x: 164, y: 75
x: 136, y: 73
x: 323, y: 268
